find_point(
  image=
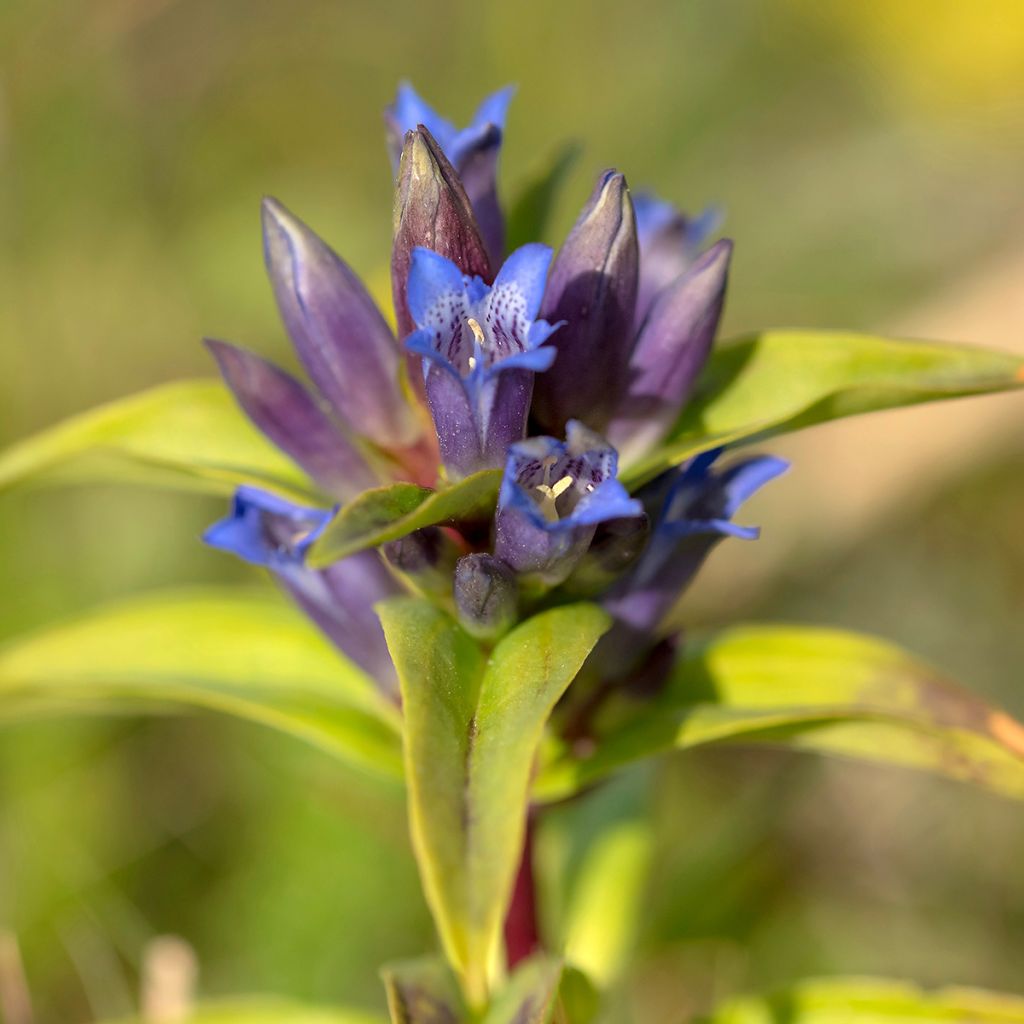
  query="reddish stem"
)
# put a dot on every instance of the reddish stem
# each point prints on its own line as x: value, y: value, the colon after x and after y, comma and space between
x: 521, y: 933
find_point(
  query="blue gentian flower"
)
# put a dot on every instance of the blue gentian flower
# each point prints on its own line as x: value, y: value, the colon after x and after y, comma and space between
x: 697, y: 504
x: 553, y: 496
x: 628, y: 375
x: 473, y: 151
x: 266, y: 530
x: 481, y: 347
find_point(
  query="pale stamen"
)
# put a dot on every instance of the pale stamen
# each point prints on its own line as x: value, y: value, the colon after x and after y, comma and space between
x: 478, y: 334
x: 550, y: 492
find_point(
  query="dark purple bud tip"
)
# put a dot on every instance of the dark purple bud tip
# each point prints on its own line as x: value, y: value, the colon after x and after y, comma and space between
x: 431, y: 210
x: 593, y: 288
x: 485, y: 595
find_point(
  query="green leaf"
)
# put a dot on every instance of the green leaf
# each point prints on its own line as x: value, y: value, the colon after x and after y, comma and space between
x: 387, y: 513
x: 189, y: 435
x: 780, y: 381
x: 810, y: 688
x: 472, y: 728
x: 238, y: 651
x: 270, y: 1011
x: 530, y: 213
x: 422, y: 991
x: 870, y: 1001
x: 530, y: 994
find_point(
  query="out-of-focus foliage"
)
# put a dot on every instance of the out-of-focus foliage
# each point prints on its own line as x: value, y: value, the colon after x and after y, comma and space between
x: 869, y: 156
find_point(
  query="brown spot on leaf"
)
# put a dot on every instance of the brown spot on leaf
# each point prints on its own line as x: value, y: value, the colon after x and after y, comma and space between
x: 946, y: 705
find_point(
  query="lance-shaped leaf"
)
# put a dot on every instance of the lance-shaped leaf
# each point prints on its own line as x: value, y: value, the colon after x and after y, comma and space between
x: 422, y: 991
x: 871, y: 1001
x: 814, y: 689
x: 242, y: 652
x: 472, y: 728
x: 780, y: 381
x: 267, y: 1011
x: 388, y: 513
x: 188, y: 435
x: 432, y: 211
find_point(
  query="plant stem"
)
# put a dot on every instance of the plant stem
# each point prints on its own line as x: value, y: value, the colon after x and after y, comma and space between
x: 521, y: 932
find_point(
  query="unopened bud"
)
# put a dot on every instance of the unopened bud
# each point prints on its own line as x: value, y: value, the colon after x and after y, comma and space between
x: 485, y: 595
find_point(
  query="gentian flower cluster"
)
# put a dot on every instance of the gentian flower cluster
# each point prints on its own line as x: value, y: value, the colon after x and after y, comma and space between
x: 555, y: 370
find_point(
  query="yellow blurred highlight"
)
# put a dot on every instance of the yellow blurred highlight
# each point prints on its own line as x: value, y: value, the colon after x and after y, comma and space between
x: 937, y: 54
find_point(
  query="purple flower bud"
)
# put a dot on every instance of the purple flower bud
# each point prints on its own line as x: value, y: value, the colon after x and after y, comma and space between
x: 432, y: 211
x: 266, y: 530
x: 340, y: 336
x: 696, y: 511
x: 669, y: 243
x: 473, y: 152
x: 670, y: 351
x: 481, y: 347
x: 290, y: 416
x: 425, y: 558
x: 553, y: 496
x: 592, y: 287
x: 485, y: 595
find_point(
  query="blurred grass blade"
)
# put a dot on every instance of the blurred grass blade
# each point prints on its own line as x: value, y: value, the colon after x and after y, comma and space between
x: 189, y: 434
x: 243, y: 652
x: 781, y: 381
x: 387, y: 513
x: 869, y: 1001
x: 472, y: 728
x: 592, y: 861
x: 269, y: 1011
x: 529, y: 995
x: 530, y: 213
x: 814, y: 689
x: 422, y: 991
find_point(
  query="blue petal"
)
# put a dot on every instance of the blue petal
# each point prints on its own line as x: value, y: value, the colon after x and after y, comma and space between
x: 519, y: 287
x: 485, y: 130
x: 652, y: 214
x: 540, y: 331
x: 609, y: 500
x: 424, y: 343
x: 411, y: 110
x: 746, y: 478
x: 249, y: 530
x: 434, y: 284
x: 494, y: 108
x: 536, y: 359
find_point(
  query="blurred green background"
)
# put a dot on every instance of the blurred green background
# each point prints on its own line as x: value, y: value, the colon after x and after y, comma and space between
x: 870, y: 157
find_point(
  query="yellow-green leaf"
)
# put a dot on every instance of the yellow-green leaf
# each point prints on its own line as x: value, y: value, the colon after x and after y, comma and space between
x: 422, y: 991
x: 387, y: 513
x: 243, y: 652
x: 190, y: 435
x: 472, y: 728
x: 780, y: 381
x: 529, y: 996
x: 809, y: 688
x: 872, y: 1001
